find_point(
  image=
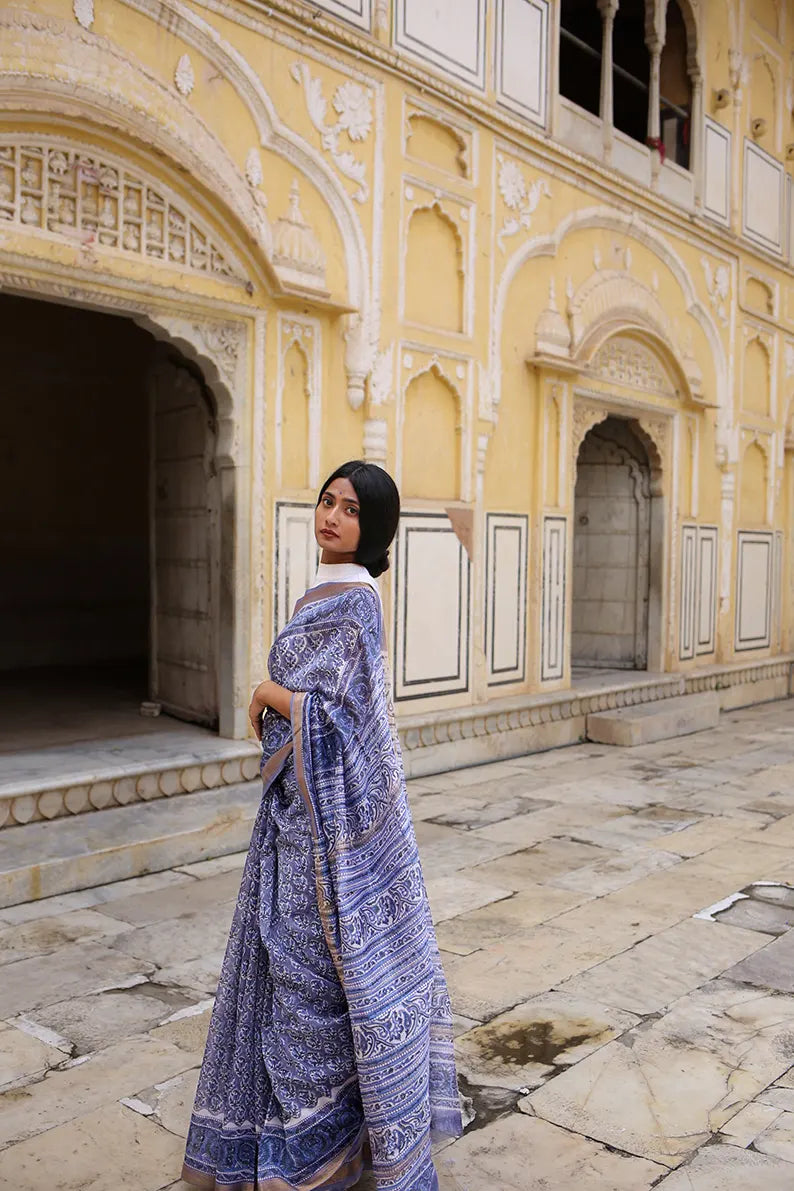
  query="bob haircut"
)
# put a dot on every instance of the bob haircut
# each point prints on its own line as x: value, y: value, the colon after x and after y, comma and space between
x: 379, y: 511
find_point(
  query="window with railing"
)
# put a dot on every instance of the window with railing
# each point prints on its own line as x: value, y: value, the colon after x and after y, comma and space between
x: 633, y: 68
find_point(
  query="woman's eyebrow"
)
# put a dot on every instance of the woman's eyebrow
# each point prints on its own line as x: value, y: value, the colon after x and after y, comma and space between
x: 348, y: 500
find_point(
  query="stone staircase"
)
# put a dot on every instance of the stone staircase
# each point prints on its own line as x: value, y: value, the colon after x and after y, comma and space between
x: 169, y: 797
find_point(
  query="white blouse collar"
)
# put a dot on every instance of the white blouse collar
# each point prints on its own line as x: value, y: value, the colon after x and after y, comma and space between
x: 343, y: 572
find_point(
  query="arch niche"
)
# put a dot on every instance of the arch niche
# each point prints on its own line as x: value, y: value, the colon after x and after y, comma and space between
x: 616, y: 549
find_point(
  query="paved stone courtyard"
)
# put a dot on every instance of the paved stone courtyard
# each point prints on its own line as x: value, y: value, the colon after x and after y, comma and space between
x: 625, y: 1021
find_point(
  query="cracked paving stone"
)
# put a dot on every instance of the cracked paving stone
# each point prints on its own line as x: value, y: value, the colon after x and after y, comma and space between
x: 662, y: 1089
x: 76, y: 1156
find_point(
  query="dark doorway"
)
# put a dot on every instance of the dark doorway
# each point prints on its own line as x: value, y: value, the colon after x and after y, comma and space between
x: 81, y: 446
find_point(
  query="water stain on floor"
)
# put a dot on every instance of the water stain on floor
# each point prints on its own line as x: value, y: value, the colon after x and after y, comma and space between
x: 521, y: 1043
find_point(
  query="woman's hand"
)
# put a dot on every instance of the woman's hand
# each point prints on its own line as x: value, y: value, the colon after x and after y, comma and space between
x: 268, y: 694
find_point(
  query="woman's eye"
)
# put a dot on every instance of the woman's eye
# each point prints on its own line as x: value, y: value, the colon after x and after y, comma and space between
x: 353, y: 511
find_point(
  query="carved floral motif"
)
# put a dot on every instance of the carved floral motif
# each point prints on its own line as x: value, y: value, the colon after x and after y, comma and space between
x: 353, y: 106
x: 520, y: 197
x: 585, y: 417
x: 223, y: 342
x: 184, y: 77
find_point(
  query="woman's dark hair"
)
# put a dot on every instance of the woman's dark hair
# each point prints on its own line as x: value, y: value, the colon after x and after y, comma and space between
x: 379, y: 511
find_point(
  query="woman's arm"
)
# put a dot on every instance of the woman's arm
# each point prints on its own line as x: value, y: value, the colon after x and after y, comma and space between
x: 268, y: 694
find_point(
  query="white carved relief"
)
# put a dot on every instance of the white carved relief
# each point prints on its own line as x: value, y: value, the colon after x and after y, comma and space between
x: 520, y: 197
x: 253, y: 168
x: 184, y: 78
x: 297, y: 253
x: 789, y: 356
x: 55, y: 187
x: 84, y: 12
x: 718, y: 284
x: 630, y: 363
x: 611, y: 296
x: 585, y: 416
x: 223, y: 343
x: 353, y: 106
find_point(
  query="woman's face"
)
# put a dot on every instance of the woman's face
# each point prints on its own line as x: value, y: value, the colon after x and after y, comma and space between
x: 336, y: 526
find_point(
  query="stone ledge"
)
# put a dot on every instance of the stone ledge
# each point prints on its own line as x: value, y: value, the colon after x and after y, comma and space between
x: 631, y: 726
x: 43, y: 859
x: 56, y: 783
x: 512, y: 727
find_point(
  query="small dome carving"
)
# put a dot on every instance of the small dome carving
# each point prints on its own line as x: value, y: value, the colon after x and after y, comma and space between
x: 297, y: 253
x: 552, y: 333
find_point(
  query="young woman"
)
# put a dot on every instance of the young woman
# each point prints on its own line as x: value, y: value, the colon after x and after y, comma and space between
x: 330, y: 1044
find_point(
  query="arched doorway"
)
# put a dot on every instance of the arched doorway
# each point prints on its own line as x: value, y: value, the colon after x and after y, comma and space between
x: 110, y: 531
x: 613, y: 560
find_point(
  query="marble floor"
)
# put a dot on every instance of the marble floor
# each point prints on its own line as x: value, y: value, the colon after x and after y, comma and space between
x: 616, y: 928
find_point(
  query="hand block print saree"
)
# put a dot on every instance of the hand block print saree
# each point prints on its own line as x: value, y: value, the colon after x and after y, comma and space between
x: 330, y: 1043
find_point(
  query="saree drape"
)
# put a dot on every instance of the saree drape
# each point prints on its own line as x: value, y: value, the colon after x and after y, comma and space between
x: 330, y: 1043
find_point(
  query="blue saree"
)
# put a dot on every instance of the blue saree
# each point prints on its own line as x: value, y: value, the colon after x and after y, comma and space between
x: 330, y: 1043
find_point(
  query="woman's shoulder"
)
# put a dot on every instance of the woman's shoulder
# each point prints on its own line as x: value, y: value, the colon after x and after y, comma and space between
x: 361, y: 602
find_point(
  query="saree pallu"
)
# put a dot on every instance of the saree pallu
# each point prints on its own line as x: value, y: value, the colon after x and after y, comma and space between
x: 330, y: 1043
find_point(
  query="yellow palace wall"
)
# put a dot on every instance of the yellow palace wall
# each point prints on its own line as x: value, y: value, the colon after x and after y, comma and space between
x: 416, y: 261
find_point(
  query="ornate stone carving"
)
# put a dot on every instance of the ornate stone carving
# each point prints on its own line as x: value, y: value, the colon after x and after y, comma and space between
x: 789, y: 357
x: 297, y: 254
x: 627, y: 362
x: 611, y: 294
x: 552, y: 333
x: 223, y: 343
x: 718, y: 284
x: 520, y: 197
x: 184, y: 78
x: 58, y: 188
x: 585, y: 416
x: 83, y: 12
x: 253, y: 168
x: 353, y: 106
x: 658, y: 431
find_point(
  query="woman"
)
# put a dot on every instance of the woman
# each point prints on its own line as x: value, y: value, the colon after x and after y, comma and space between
x: 330, y: 1044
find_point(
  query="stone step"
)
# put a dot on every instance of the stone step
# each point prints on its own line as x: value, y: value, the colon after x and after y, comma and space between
x: 42, y: 859
x: 66, y: 780
x: 648, y: 722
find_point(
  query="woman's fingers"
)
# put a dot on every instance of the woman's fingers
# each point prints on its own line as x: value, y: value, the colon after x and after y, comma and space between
x: 255, y: 716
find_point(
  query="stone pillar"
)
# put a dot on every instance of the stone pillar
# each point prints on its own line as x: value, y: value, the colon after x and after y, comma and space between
x: 736, y: 69
x: 696, y: 163
x: 608, y: 9
x: 480, y: 677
